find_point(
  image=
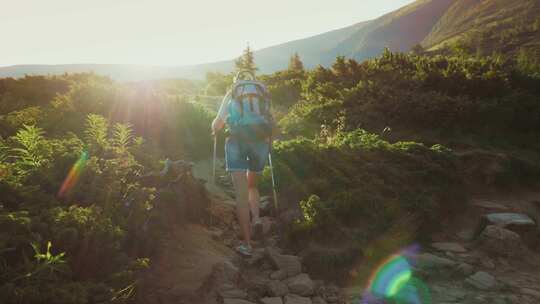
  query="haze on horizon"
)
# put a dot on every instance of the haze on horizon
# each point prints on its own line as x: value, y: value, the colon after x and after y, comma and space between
x: 166, y: 32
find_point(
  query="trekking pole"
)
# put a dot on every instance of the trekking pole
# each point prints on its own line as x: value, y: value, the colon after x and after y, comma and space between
x: 273, y: 180
x: 214, y: 161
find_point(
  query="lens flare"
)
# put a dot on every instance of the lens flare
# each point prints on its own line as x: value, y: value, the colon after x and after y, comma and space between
x: 393, y: 280
x: 74, y: 174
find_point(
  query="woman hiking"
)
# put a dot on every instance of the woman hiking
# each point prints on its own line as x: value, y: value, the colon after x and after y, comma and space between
x: 245, y: 110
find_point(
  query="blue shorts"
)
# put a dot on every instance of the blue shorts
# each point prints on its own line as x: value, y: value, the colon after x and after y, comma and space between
x: 245, y: 156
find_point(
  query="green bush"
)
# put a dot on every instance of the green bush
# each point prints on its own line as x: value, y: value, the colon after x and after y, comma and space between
x: 356, y: 177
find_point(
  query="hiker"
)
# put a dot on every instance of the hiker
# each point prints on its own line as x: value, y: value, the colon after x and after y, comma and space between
x: 245, y: 110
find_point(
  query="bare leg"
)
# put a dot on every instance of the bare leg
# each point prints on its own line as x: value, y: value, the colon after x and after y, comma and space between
x: 242, y: 205
x: 253, y: 194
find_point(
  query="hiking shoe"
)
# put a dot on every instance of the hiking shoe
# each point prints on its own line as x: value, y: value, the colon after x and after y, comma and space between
x: 244, y: 250
x: 257, y: 230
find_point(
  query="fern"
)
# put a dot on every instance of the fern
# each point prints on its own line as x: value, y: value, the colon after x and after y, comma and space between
x: 32, y: 152
x: 96, y: 132
x: 122, y: 136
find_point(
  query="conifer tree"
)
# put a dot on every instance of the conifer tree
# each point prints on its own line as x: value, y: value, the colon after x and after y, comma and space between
x: 246, y: 62
x: 295, y: 63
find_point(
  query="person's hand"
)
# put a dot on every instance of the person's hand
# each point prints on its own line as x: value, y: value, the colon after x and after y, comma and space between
x: 216, y: 126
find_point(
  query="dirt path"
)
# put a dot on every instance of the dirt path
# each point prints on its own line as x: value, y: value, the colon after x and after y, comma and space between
x: 184, y: 271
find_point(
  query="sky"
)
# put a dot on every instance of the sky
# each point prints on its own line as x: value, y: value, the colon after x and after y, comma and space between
x: 166, y: 32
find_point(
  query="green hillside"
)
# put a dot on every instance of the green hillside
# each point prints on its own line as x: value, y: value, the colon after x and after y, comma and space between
x: 490, y: 26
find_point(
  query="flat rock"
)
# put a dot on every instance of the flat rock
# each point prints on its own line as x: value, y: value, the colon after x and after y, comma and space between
x: 482, y: 280
x: 273, y: 300
x: 509, y: 219
x: 277, y: 288
x: 294, y: 299
x: 449, y: 246
x: 301, y: 285
x: 291, y: 264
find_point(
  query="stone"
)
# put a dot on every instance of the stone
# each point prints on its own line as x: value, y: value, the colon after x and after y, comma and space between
x: 273, y: 300
x: 277, y: 288
x: 500, y: 241
x: 257, y: 284
x: 233, y: 294
x: 236, y: 301
x: 294, y: 299
x: 301, y: 285
x: 509, y: 219
x: 530, y: 292
x: 482, y: 280
x: 256, y: 257
x: 278, y: 275
x: 449, y: 246
x: 290, y: 263
x: 318, y: 300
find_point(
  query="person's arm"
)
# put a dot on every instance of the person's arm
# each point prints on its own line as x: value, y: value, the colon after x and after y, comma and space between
x: 221, y: 117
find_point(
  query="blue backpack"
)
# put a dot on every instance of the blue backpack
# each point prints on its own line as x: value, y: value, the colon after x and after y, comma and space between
x: 249, y: 110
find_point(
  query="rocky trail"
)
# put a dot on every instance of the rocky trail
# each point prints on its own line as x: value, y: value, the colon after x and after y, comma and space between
x: 489, y: 255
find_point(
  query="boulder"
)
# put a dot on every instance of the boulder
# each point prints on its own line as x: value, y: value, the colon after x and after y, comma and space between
x: 450, y: 247
x: 500, y: 241
x: 274, y: 300
x: 277, y: 288
x: 294, y: 299
x: 291, y: 264
x: 482, y: 280
x: 301, y: 285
